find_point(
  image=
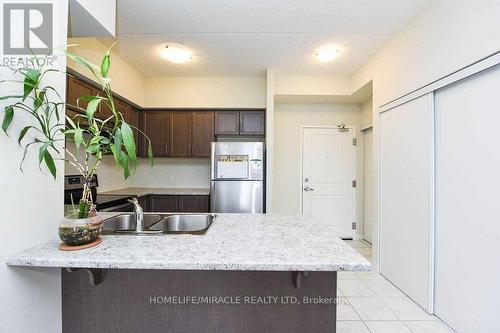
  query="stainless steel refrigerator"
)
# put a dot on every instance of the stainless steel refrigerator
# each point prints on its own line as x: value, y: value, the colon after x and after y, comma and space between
x: 237, y: 177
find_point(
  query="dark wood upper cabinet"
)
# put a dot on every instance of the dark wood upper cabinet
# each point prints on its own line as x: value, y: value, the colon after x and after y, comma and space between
x: 105, y: 110
x: 156, y: 125
x: 180, y: 134
x: 227, y: 122
x: 252, y: 123
x: 202, y: 133
x: 77, y: 89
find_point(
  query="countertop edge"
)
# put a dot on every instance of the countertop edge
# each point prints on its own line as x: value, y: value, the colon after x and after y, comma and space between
x: 193, y: 266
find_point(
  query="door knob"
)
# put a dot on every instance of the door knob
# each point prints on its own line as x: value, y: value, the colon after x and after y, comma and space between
x: 307, y: 189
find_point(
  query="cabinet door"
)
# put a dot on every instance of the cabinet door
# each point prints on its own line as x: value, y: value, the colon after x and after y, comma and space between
x: 164, y: 203
x: 180, y: 134
x: 145, y: 203
x: 77, y: 89
x: 202, y: 133
x: 252, y: 123
x: 156, y: 126
x: 132, y: 118
x: 105, y: 111
x: 194, y: 204
x: 227, y: 122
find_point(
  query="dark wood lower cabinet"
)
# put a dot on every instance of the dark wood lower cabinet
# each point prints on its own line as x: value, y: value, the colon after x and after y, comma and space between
x: 164, y: 203
x: 194, y: 204
x: 175, y: 203
x: 145, y: 203
x: 156, y: 301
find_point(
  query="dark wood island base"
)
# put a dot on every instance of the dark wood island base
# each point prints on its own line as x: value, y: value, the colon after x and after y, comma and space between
x: 199, y: 301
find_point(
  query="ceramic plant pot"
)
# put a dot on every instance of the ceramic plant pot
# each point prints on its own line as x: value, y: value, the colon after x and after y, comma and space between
x: 74, y: 231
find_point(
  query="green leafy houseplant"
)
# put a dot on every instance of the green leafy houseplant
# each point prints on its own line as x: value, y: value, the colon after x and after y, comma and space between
x: 93, y: 136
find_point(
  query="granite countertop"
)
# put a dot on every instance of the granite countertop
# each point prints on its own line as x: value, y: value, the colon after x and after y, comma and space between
x: 233, y: 242
x: 143, y: 191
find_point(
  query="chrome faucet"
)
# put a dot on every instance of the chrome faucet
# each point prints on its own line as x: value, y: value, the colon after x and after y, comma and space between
x: 139, y: 215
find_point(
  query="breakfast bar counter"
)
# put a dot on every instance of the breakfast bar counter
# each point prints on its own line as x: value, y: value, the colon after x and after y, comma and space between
x: 247, y: 273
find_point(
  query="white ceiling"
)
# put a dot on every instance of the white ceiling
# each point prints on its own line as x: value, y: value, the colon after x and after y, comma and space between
x: 245, y: 37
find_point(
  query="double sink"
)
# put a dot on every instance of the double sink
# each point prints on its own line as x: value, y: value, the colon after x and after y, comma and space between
x: 157, y: 224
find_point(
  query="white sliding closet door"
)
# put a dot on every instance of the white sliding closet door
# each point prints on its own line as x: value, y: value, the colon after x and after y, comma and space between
x: 406, y: 193
x: 468, y: 203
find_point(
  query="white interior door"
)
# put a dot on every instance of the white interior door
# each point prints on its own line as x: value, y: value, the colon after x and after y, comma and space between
x: 368, y: 212
x: 328, y: 162
x: 467, y: 203
x: 406, y: 194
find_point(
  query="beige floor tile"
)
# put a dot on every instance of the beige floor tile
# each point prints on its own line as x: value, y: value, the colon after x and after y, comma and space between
x: 372, y: 308
x: 383, y: 288
x: 351, y: 327
x: 346, y: 312
x: 347, y: 276
x: 364, y: 251
x: 387, y: 327
x: 406, y: 309
x: 428, y: 327
x: 354, y: 288
x: 370, y: 275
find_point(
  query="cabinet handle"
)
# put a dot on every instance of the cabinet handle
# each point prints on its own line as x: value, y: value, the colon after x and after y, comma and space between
x: 166, y: 150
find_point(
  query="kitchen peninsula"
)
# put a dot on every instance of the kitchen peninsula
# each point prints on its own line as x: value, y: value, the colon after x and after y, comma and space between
x: 285, y: 258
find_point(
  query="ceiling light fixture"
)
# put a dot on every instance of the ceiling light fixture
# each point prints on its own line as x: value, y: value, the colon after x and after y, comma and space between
x: 176, y: 53
x: 327, y: 53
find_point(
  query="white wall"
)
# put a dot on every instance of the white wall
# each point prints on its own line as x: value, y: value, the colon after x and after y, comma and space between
x: 446, y: 36
x: 288, y: 119
x: 166, y: 172
x: 367, y: 112
x: 209, y: 92
x: 126, y: 81
x: 31, y: 207
x: 313, y: 85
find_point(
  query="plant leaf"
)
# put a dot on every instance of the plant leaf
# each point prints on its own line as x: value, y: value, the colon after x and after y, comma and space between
x: 90, y: 66
x: 49, y: 161
x: 7, y: 97
x: 124, y: 164
x: 92, y: 108
x: 41, y: 152
x: 23, y: 133
x: 105, y: 65
x: 128, y: 141
x: 78, y: 137
x: 93, y: 148
x: 31, y: 77
x: 39, y: 99
x: 7, y: 120
x: 70, y: 121
x: 150, y: 153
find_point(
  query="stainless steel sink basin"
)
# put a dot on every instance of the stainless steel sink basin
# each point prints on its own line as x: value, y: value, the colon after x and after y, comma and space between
x: 126, y: 223
x: 154, y: 224
x: 184, y: 224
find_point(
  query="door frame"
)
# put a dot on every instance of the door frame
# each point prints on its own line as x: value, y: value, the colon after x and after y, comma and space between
x: 363, y: 130
x: 354, y: 234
